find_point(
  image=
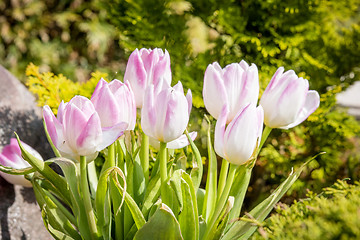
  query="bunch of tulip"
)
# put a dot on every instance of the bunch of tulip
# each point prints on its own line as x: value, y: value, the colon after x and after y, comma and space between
x: 143, y: 193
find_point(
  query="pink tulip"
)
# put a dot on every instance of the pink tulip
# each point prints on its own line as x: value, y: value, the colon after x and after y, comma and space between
x: 165, y: 115
x: 237, y: 142
x: 287, y: 100
x: 115, y: 103
x: 235, y: 85
x: 178, y: 143
x: 77, y: 129
x: 146, y: 67
x: 11, y: 157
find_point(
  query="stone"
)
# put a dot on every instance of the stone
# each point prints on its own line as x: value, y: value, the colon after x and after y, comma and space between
x: 20, y: 215
x: 350, y: 99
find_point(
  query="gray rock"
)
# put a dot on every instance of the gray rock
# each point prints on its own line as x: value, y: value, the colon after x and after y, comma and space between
x: 350, y: 99
x: 20, y: 216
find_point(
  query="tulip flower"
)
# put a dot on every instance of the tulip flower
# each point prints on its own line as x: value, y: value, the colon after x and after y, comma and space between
x: 115, y: 103
x: 178, y: 143
x: 77, y: 131
x: 11, y: 157
x: 287, y: 100
x: 146, y: 67
x: 239, y: 140
x: 235, y: 85
x: 165, y: 115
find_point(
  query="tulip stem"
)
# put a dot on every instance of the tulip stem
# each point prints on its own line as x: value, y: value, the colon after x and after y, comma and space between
x: 221, y: 203
x: 222, y: 178
x: 144, y: 156
x: 84, y: 186
x: 264, y: 136
x: 163, y: 164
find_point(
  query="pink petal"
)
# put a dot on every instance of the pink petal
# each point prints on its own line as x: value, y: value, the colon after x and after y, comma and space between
x: 90, y: 136
x: 53, y: 126
x: 312, y: 102
x: 99, y: 85
x: 220, y: 132
x: 181, y: 141
x: 189, y: 100
x: 109, y: 135
x: 214, y: 91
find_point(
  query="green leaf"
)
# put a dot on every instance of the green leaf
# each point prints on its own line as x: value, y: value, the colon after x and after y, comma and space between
x: 77, y: 205
x: 239, y: 190
x: 244, y: 229
x: 161, y: 226
x: 54, y: 212
x: 130, y: 202
x: 197, y: 168
x: 14, y: 171
x: 152, y: 194
x: 40, y: 166
x: 102, y: 204
x: 188, y: 218
x: 211, y: 184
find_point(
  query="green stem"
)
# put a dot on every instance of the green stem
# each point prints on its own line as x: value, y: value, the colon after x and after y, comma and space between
x: 264, y: 136
x: 222, y: 178
x: 222, y: 201
x: 144, y: 156
x: 84, y: 187
x: 163, y: 166
x: 110, y: 160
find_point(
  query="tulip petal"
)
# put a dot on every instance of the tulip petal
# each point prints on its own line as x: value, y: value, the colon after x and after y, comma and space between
x: 220, y: 132
x: 110, y: 134
x: 312, y: 102
x: 189, y: 100
x: 90, y: 137
x: 181, y: 141
x: 53, y: 126
x: 99, y: 85
x: 214, y: 86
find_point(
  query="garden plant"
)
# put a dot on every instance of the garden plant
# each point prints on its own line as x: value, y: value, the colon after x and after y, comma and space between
x: 131, y: 169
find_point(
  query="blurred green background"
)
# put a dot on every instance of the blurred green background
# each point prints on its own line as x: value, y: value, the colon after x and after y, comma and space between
x: 318, y: 39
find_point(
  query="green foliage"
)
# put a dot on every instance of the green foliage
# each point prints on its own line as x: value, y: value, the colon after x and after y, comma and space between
x: 316, y: 38
x: 51, y: 89
x: 329, y: 130
x: 68, y: 37
x: 334, y: 214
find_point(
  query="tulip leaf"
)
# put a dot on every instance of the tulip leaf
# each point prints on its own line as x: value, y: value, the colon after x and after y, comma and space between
x: 54, y: 212
x: 71, y: 175
x: 152, y: 194
x: 103, y: 205
x: 239, y: 189
x: 58, y: 181
x: 161, y: 226
x: 172, y: 195
x: 243, y: 229
x: 14, y: 171
x: 211, y: 184
x: 197, y: 168
x: 188, y: 218
x: 130, y: 202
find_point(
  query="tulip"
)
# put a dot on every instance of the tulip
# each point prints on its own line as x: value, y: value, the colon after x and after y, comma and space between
x: 115, y: 103
x: 178, y: 143
x: 77, y: 131
x: 11, y: 157
x: 240, y: 139
x: 235, y: 85
x: 287, y: 100
x: 165, y: 115
x: 146, y: 67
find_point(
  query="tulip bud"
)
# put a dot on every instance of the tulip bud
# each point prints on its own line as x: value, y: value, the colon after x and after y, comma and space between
x: 165, y: 115
x: 146, y: 67
x: 287, y: 100
x: 235, y: 85
x: 77, y: 129
x: 237, y: 142
x: 11, y: 157
x: 115, y: 103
